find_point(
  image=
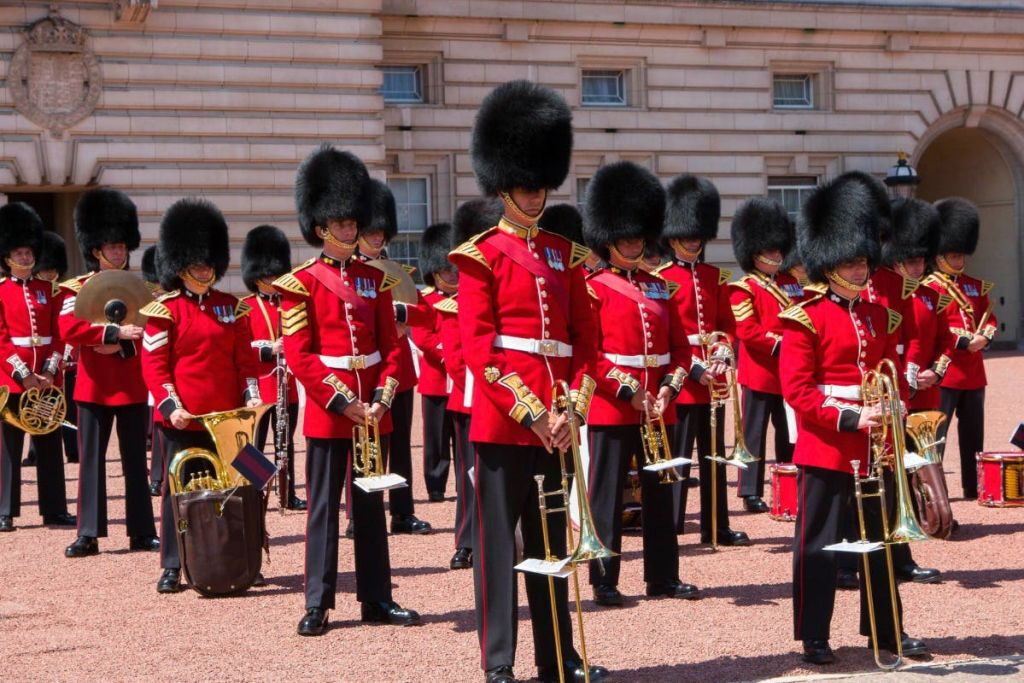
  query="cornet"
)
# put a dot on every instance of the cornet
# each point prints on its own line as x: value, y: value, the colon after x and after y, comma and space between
x: 657, y: 450
x: 368, y: 459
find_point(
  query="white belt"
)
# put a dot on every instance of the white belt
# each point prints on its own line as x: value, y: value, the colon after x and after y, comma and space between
x: 851, y: 392
x: 31, y: 341
x: 697, y: 339
x: 541, y: 347
x: 641, y: 361
x: 899, y: 349
x: 351, y: 362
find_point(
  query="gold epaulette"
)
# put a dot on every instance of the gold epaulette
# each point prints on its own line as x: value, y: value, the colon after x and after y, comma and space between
x: 242, y: 309
x: 387, y: 282
x: 894, y: 320
x: 429, y: 289
x: 156, y: 309
x: 409, y: 270
x: 743, y: 284
x: 724, y: 275
x: 986, y: 287
x: 816, y: 288
x: 673, y: 287
x: 663, y: 266
x: 910, y: 285
x: 469, y: 248
x: 591, y: 292
x: 933, y: 279
x: 944, y: 301
x: 578, y: 254
x: 72, y: 285
x: 3, y: 278
x: 447, y: 305
x: 796, y: 313
x: 54, y: 289
x: 291, y: 284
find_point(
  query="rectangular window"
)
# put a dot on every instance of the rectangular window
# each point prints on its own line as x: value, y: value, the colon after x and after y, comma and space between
x: 581, y: 193
x: 791, y: 192
x: 412, y: 200
x: 604, y: 88
x: 402, y: 84
x: 793, y: 91
x: 405, y: 248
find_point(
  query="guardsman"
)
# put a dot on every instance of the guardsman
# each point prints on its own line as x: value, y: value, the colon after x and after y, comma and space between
x: 691, y: 220
x: 525, y: 313
x: 828, y: 343
x: 643, y: 357
x: 196, y: 347
x: 340, y: 341
x: 156, y: 463
x: 109, y: 385
x: 425, y: 333
x: 970, y: 323
x: 373, y: 239
x: 266, y: 256
x: 31, y: 354
x: 761, y: 235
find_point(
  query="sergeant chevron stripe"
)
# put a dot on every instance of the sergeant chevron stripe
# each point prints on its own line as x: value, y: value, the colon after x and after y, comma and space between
x: 152, y: 342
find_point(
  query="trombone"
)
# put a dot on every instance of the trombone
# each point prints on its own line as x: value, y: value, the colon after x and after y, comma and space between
x: 880, y: 388
x: 589, y: 547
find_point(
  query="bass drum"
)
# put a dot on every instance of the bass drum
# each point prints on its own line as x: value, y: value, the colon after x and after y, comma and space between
x: 1001, y: 479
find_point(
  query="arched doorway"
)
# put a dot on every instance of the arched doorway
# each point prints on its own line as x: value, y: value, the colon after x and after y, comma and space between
x: 977, y: 164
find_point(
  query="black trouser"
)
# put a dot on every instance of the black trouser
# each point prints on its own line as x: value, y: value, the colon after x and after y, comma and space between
x: 969, y: 406
x: 826, y: 507
x: 438, y: 433
x: 694, y: 425
x: 464, y: 507
x: 505, y: 494
x: 156, y: 448
x: 611, y: 449
x: 268, y: 426
x: 327, y: 461
x: 175, y: 441
x: 398, y: 452
x: 758, y: 408
x: 94, y: 425
x: 49, y: 471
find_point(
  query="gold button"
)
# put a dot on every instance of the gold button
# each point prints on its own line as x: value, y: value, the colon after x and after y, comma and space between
x: 540, y: 280
x: 650, y: 345
x: 543, y: 294
x: 544, y: 306
x: 546, y: 334
x: 547, y: 321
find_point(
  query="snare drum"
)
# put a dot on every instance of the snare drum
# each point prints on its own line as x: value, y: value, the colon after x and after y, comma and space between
x: 1001, y: 479
x: 783, y: 506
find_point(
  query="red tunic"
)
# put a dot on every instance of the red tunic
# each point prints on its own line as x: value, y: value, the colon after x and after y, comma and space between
x: 925, y: 350
x: 330, y: 341
x: 264, y: 326
x: 640, y: 346
x: 828, y: 344
x: 197, y: 354
x: 890, y: 289
x: 454, y: 363
x: 756, y: 300
x: 551, y: 313
x: 703, y: 303
x: 425, y: 331
x: 959, y: 321
x: 109, y: 379
x: 29, y: 332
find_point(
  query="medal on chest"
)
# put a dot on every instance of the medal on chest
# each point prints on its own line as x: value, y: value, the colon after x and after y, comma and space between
x: 554, y: 259
x: 365, y: 288
x: 654, y: 290
x: 224, y: 314
x: 40, y: 297
x: 970, y: 289
x: 870, y: 325
x: 928, y: 303
x: 793, y: 290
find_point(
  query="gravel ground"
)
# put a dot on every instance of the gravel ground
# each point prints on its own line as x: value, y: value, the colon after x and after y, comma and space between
x: 100, y: 617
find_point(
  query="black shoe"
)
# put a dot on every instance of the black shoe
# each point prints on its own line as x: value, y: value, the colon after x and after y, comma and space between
x: 691, y: 483
x: 912, y: 647
x: 607, y: 595
x: 462, y: 559
x: 918, y: 574
x: 501, y: 674
x: 389, y: 613
x: 435, y: 496
x: 259, y: 580
x: 170, y: 581
x: 846, y: 580
x: 350, y: 530
x: 574, y: 673
x: 313, y: 623
x: 60, y: 519
x: 29, y: 461
x: 154, y: 488
x: 727, y: 537
x: 295, y: 503
x: 6, y: 523
x: 956, y: 527
x: 754, y: 504
x: 151, y: 543
x: 818, y: 652
x: 72, y: 459
x: 673, y: 589
x: 82, y: 547
x: 409, y: 524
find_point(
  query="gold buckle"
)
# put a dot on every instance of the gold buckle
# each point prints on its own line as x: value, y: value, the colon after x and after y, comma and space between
x: 547, y: 347
x: 357, y: 363
x: 651, y: 361
x: 36, y: 340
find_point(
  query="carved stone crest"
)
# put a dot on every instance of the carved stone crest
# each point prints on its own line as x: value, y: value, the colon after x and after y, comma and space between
x: 54, y: 76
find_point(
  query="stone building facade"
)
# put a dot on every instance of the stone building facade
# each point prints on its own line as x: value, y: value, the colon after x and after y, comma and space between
x: 224, y: 97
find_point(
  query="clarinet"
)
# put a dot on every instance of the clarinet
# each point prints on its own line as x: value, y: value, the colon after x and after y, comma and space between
x: 281, y: 424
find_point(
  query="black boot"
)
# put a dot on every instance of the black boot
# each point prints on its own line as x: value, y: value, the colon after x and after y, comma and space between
x: 82, y: 547
x: 170, y: 581
x: 296, y: 503
x: 60, y: 519
x: 462, y: 559
x: 409, y: 524
x: 607, y: 595
x: 673, y: 589
x: 754, y: 504
x: 150, y: 543
x: 818, y: 652
x: 6, y: 523
x: 313, y: 623
x: 389, y: 612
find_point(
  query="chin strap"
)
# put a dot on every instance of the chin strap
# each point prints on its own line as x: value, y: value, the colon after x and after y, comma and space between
x: 444, y: 286
x: 368, y: 250
x: 17, y: 266
x: 348, y: 248
x: 629, y: 261
x: 768, y: 261
x: 843, y: 282
x: 110, y: 265
x: 195, y: 283
x: 946, y: 267
x: 517, y: 216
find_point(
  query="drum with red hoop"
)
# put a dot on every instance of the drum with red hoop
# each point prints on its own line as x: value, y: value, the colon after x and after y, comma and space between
x: 784, y: 501
x: 1001, y: 479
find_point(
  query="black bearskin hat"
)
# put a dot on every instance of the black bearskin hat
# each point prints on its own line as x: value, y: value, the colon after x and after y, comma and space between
x: 20, y: 226
x: 434, y: 247
x: 383, y: 214
x: 474, y: 217
x: 265, y: 253
x: 192, y: 231
x: 760, y: 224
x: 331, y: 184
x: 522, y: 137
x: 624, y: 201
x: 791, y: 258
x: 914, y: 233
x: 692, y: 210
x: 960, y: 226
x: 838, y: 223
x: 880, y: 197
x: 53, y: 254
x: 149, y: 270
x: 105, y: 216
x: 564, y: 220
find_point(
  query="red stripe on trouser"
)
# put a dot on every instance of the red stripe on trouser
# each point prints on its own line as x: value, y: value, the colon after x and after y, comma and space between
x: 81, y: 461
x: 459, y: 471
x: 481, y: 559
x: 801, y: 512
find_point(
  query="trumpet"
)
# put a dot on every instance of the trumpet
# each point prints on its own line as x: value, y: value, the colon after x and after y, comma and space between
x: 589, y: 547
x: 655, y: 441
x: 366, y: 450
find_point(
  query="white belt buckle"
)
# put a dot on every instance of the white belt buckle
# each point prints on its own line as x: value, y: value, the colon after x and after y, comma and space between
x: 547, y: 347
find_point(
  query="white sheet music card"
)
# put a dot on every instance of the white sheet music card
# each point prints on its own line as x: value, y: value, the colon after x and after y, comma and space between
x: 374, y: 484
x: 859, y: 547
x: 913, y: 461
x: 557, y: 568
x: 674, y: 462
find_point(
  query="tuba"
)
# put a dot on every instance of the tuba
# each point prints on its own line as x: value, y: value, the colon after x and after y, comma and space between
x: 928, y: 482
x: 218, y: 514
x: 40, y: 411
